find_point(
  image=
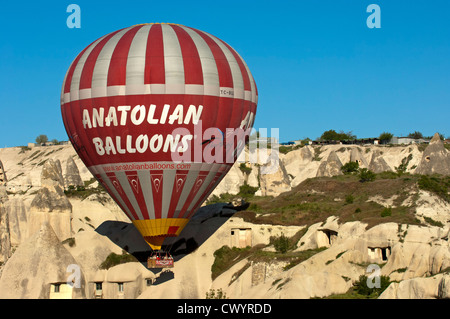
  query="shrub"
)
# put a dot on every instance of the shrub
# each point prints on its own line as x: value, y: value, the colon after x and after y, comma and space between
x: 387, y: 211
x: 366, y: 175
x: 404, y: 165
x: 349, y: 199
x: 284, y: 149
x: 436, y: 185
x: 350, y: 167
x: 244, y: 169
x: 225, y: 257
x: 247, y: 190
x: 433, y: 222
x: 114, y: 259
x: 70, y: 241
x: 212, y: 294
x: 281, y: 243
x: 363, y: 289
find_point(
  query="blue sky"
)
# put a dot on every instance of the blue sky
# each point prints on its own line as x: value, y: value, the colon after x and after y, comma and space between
x: 316, y: 63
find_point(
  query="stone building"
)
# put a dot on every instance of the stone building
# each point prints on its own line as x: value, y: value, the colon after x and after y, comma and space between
x: 124, y: 281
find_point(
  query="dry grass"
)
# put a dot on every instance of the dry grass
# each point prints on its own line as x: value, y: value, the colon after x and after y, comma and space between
x: 316, y: 199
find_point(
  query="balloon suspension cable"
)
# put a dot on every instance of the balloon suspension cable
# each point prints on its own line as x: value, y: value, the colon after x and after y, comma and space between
x: 168, y: 248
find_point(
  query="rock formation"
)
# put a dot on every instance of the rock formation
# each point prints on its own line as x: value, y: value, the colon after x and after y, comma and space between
x: 51, y: 175
x: 3, y: 179
x: 5, y: 240
x: 273, y: 178
x: 72, y: 176
x: 50, y: 203
x: 36, y: 265
x: 419, y: 288
x: 16, y: 211
x: 418, y: 257
x: 435, y: 158
x: 331, y: 166
x: 378, y: 164
x: 356, y: 156
x: 299, y: 164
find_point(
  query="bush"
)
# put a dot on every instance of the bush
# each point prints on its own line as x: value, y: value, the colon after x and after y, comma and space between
x: 387, y: 211
x: 433, y: 222
x: 113, y: 259
x: 404, y: 165
x: 244, y: 169
x: 436, y: 185
x: 349, y: 199
x: 247, y: 190
x: 366, y: 175
x: 284, y: 149
x: 281, y: 243
x: 350, y: 167
x: 363, y: 289
x: 213, y: 295
x: 225, y: 257
x: 70, y: 241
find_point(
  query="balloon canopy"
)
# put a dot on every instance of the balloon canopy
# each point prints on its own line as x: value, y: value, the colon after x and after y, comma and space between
x: 151, y: 110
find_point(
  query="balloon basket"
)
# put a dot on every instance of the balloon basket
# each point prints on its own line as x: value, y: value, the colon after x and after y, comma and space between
x: 160, y: 260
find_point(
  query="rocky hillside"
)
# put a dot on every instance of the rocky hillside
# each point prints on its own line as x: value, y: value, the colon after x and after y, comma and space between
x: 307, y: 231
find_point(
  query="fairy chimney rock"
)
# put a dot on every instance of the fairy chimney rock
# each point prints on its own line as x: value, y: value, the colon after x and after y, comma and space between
x: 435, y: 158
x: 37, y: 264
x: 330, y: 167
x: 378, y: 164
x: 3, y: 179
x: 50, y: 205
x: 72, y: 176
x: 51, y: 175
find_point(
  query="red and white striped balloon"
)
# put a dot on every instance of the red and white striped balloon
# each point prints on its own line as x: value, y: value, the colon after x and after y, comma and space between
x: 123, y: 97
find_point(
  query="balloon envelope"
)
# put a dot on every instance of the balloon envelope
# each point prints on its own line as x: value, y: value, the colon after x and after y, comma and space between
x: 149, y: 109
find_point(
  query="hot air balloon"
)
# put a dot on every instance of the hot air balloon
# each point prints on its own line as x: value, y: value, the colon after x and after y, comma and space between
x: 135, y: 99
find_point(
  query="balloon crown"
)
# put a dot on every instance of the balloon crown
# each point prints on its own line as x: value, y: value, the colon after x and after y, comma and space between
x: 168, y: 23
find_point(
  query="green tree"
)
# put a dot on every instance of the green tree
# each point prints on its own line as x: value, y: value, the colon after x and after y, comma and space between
x: 332, y: 135
x: 247, y: 190
x: 41, y: 139
x: 366, y: 175
x: 415, y: 135
x: 350, y: 167
x: 281, y: 244
x: 362, y: 288
x: 385, y: 137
